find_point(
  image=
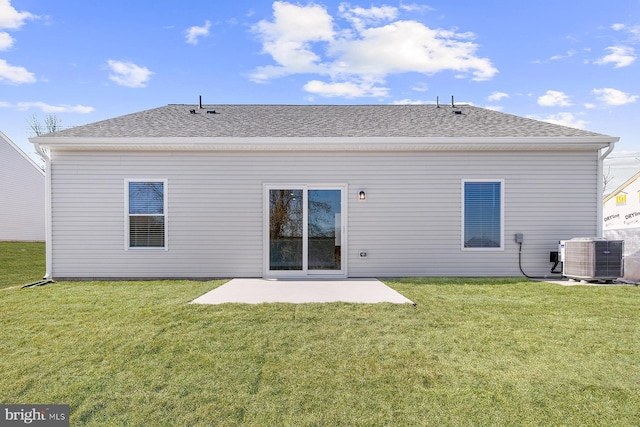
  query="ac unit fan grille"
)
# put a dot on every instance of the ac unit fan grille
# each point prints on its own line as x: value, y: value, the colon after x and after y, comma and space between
x: 593, y: 259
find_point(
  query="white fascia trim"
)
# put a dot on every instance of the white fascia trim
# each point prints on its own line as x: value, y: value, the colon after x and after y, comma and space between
x: 584, y: 143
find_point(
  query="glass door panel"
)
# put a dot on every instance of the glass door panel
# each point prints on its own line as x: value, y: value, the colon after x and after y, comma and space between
x: 286, y: 223
x: 324, y: 230
x: 305, y: 226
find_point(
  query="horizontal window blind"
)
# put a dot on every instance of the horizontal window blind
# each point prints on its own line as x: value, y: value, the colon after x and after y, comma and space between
x: 146, y: 215
x: 482, y: 214
x: 146, y: 231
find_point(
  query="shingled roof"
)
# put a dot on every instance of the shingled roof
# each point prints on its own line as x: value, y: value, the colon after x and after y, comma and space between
x: 320, y: 121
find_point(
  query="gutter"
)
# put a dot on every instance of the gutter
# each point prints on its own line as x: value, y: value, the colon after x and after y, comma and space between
x: 334, y: 144
x: 47, y: 208
x: 600, y: 187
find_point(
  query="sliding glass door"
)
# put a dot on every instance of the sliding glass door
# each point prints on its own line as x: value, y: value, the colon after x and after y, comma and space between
x: 305, y: 228
x: 286, y: 229
x: 324, y: 230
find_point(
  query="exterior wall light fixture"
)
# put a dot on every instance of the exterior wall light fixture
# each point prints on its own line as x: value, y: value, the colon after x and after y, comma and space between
x: 362, y: 195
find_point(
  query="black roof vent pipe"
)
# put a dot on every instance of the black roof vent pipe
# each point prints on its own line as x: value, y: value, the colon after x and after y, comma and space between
x: 452, y: 104
x: 201, y: 102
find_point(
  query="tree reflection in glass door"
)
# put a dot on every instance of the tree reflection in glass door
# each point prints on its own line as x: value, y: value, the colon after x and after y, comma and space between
x: 286, y: 229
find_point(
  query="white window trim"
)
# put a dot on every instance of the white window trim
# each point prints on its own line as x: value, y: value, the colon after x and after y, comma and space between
x: 502, y: 203
x: 165, y: 197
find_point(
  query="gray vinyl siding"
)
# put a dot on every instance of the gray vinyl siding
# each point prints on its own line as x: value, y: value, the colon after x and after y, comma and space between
x: 22, y: 196
x: 410, y: 223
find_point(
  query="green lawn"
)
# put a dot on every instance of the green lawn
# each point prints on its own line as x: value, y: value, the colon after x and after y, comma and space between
x: 473, y: 352
x: 21, y: 263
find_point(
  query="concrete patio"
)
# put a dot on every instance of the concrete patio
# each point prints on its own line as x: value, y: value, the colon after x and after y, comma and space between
x: 256, y: 291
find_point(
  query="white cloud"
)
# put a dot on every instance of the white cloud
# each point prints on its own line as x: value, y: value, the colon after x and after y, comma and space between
x: 620, y: 56
x: 304, y: 39
x: 568, y: 54
x: 6, y: 41
x: 289, y: 37
x: 497, y: 96
x: 10, y: 18
x: 564, y: 119
x: 128, y: 74
x: 554, y: 98
x: 345, y: 89
x: 614, y: 97
x: 557, y: 57
x: 410, y: 102
x: 414, y: 7
x: 633, y: 31
x: 194, y: 33
x: 47, y: 108
x: 360, y: 17
x: 15, y: 75
x: 420, y: 87
x: 409, y: 46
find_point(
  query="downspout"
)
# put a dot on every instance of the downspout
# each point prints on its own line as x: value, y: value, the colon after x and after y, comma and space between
x: 600, y: 186
x: 47, y: 208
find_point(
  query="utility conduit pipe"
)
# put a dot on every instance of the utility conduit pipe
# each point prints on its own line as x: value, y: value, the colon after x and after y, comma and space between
x: 600, y: 188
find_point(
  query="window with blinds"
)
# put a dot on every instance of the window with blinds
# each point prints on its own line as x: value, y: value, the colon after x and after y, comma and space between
x: 483, y: 214
x: 146, y: 214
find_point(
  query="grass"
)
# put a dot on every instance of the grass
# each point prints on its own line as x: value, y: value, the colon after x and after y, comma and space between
x: 473, y: 352
x: 21, y: 263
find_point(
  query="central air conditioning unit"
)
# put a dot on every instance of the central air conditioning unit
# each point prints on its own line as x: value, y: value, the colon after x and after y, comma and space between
x: 592, y: 258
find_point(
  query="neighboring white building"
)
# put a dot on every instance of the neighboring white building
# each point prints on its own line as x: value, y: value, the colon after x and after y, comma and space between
x: 318, y: 191
x: 22, y: 195
x: 621, y: 215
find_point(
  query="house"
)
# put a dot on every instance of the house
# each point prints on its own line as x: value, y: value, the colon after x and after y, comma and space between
x: 22, y: 195
x: 192, y: 191
x: 621, y: 216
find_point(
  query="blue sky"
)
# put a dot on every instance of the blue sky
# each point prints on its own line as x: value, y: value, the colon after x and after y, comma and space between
x: 574, y: 63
